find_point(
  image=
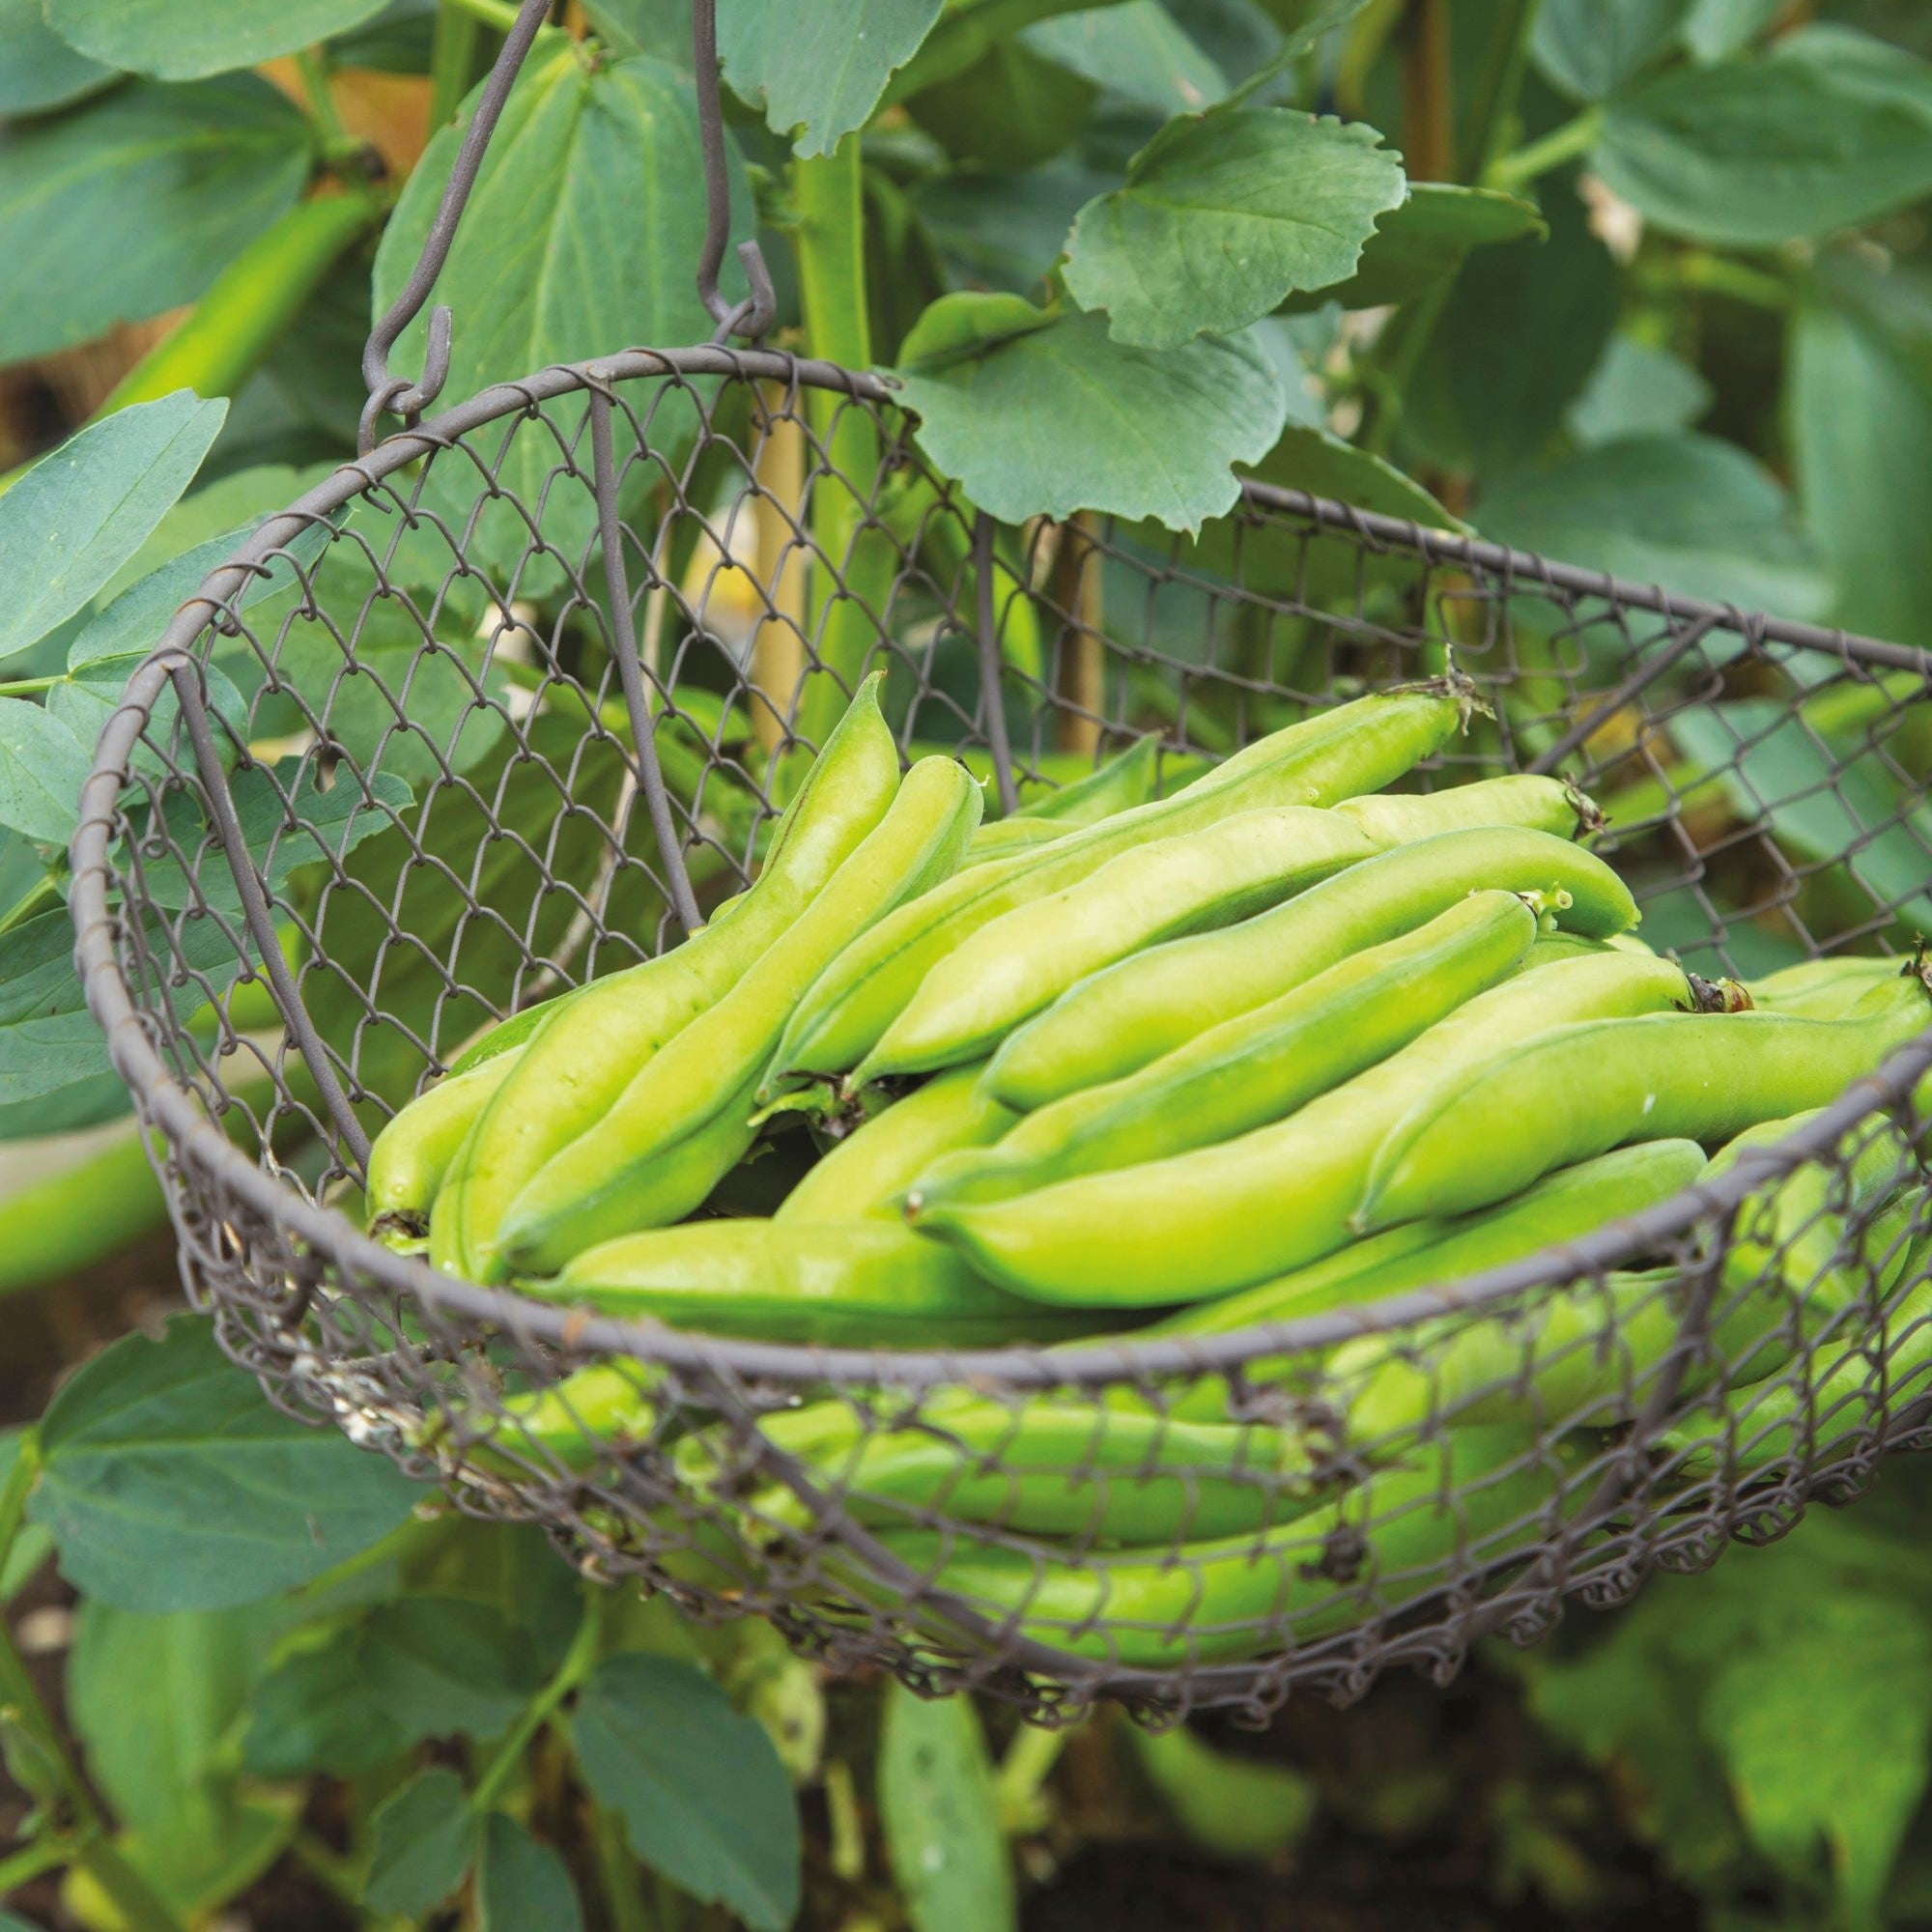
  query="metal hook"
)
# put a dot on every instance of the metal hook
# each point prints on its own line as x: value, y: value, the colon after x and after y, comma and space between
x: 388, y: 392
x: 748, y: 319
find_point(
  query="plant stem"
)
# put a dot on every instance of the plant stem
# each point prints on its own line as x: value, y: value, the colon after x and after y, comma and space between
x: 1428, y: 94
x: 496, y: 14
x: 1561, y: 144
x: 26, y: 1864
x: 324, y: 1863
x: 312, y: 71
x: 31, y: 687
x: 452, y: 61
x: 1698, y: 270
x: 30, y: 903
x: 618, y: 1872
x: 1027, y: 1765
x: 1501, y: 88
x: 568, y: 1675
x: 19, y: 1485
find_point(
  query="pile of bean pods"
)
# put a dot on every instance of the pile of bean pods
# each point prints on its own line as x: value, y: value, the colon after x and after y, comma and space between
x: 1282, y: 1041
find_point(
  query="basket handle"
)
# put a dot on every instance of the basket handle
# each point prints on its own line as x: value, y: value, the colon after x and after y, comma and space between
x: 397, y: 395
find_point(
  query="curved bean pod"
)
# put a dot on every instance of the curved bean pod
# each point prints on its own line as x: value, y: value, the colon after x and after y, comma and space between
x: 1591, y: 1087
x: 861, y: 1284
x: 614, y: 1177
x: 1005, y: 971
x: 590, y: 1046
x: 413, y: 1151
x: 1222, y: 1217
x: 871, y: 1167
x: 1260, y: 1065
x: 1821, y: 989
x: 1130, y: 1013
x: 1356, y: 748
x: 1523, y: 800
x: 1123, y: 782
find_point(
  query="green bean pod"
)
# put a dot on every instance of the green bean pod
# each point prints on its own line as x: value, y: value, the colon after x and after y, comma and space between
x: 1478, y: 1498
x: 589, y: 1047
x: 640, y: 1165
x: 1049, y: 1467
x: 413, y: 1151
x: 1521, y: 800
x: 1005, y: 971
x: 1260, y: 1065
x: 1594, y: 1086
x: 861, y: 1284
x: 1353, y: 749
x: 1221, y: 1217
x: 867, y: 1171
x: 1821, y: 989
x: 1123, y: 782
x: 1134, y: 1011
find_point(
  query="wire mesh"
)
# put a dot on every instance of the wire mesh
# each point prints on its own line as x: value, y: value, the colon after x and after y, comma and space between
x: 408, y: 760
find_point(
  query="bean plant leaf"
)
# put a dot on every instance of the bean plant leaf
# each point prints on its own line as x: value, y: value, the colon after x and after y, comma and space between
x: 81, y: 512
x: 169, y: 1482
x: 1832, y: 130
x: 1010, y: 109
x: 1861, y: 426
x: 38, y: 70
x: 818, y: 72
x: 941, y: 1816
x: 1588, y: 48
x: 42, y: 766
x: 520, y: 1885
x: 1043, y: 414
x: 1426, y: 237
x: 425, y: 1837
x: 660, y: 27
x: 176, y: 42
x: 1137, y: 49
x: 1687, y: 511
x: 703, y: 1797
x: 1714, y: 30
x: 32, y: 1546
x: 1638, y: 389
x: 580, y: 237
x: 164, y: 182
x: 1225, y: 215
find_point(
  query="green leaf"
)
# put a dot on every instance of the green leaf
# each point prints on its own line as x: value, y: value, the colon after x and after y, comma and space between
x: 170, y: 1484
x: 1588, y: 48
x: 1429, y: 235
x: 1041, y: 413
x: 820, y: 74
x: 152, y: 1699
x: 1001, y: 230
x: 1521, y: 331
x: 32, y: 1544
x: 425, y: 1837
x: 80, y: 513
x: 1688, y: 512
x: 940, y: 1815
x: 1861, y: 426
x: 660, y: 27
x: 176, y: 42
x: 1830, y: 131
x: 582, y: 235
x: 42, y: 766
x: 1137, y: 49
x: 703, y: 1797
x: 38, y: 69
x: 1225, y: 215
x: 165, y: 184
x: 1011, y: 109
x: 1717, y: 29
x: 520, y: 1885
x: 1638, y: 389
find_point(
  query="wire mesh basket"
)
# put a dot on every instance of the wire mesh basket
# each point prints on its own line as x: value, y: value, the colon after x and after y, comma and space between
x: 517, y: 684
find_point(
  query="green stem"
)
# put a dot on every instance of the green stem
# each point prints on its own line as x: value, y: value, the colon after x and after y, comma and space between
x: 30, y: 903
x: 831, y: 248
x: 496, y: 14
x: 1027, y: 1765
x: 1561, y: 144
x: 20, y: 1480
x: 1405, y: 340
x: 1494, y: 109
x: 43, y: 1854
x: 1706, y: 273
x: 568, y: 1675
x: 618, y: 1873
x: 31, y: 687
x: 452, y: 61
x: 338, y: 1873
x: 312, y: 71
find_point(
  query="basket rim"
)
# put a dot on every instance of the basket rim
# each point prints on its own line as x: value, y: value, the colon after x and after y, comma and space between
x: 329, y: 1234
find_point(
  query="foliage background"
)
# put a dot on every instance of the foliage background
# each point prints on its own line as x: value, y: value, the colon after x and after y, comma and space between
x: 1661, y: 307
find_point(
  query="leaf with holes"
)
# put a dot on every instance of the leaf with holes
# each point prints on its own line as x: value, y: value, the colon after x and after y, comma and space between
x: 1223, y: 215
x: 176, y: 42
x: 703, y: 1797
x: 169, y: 1483
x: 579, y: 236
x: 77, y: 516
x: 1042, y: 413
x: 822, y: 77
x: 164, y: 182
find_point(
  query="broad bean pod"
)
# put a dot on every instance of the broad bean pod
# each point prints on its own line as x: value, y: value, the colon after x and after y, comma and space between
x: 1354, y: 748
x: 1260, y: 1065
x: 1222, y: 1217
x: 413, y: 1151
x: 1523, y: 800
x: 589, y: 1047
x: 1821, y: 989
x: 1146, y: 1005
x: 637, y: 1166
x: 1125, y: 781
x: 1594, y: 1085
